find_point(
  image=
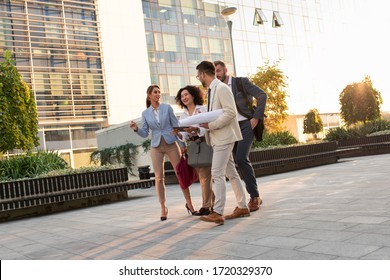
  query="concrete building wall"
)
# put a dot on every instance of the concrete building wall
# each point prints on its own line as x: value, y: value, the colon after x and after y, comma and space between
x: 125, y: 58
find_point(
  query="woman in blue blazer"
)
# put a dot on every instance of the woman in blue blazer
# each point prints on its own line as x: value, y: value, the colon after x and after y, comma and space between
x: 160, y: 119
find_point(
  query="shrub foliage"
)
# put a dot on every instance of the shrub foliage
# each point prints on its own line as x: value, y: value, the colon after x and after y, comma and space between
x: 312, y: 122
x: 358, y: 130
x: 276, y: 139
x: 360, y: 102
x: 18, y: 113
x: 30, y: 165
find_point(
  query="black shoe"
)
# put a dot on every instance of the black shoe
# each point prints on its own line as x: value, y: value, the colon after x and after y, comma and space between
x: 166, y: 214
x: 203, y: 212
x: 193, y: 213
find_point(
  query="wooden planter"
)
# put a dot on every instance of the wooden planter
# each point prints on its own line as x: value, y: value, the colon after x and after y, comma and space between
x: 52, y: 194
x: 266, y: 162
x: 364, y: 146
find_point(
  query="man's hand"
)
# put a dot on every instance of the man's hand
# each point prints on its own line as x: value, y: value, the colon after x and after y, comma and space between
x: 254, y: 122
x: 204, y: 125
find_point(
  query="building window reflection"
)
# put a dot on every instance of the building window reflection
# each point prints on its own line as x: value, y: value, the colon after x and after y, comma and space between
x: 175, y: 46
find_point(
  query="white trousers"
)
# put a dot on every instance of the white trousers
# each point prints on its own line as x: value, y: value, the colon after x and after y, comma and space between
x: 223, y: 166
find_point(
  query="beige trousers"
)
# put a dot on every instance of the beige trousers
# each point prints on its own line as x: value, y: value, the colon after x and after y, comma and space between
x: 172, y: 151
x: 204, y: 174
x: 223, y: 166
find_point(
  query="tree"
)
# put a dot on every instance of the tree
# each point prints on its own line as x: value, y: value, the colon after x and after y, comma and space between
x: 360, y: 102
x: 18, y: 112
x: 312, y: 122
x: 273, y: 81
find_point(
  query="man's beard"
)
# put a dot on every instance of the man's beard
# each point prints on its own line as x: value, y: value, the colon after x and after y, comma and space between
x: 223, y: 78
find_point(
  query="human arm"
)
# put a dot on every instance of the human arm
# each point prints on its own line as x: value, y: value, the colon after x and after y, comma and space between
x: 224, y: 99
x: 257, y: 93
x: 143, y: 131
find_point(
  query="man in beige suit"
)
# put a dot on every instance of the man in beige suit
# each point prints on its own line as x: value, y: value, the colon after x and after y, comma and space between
x: 223, y: 133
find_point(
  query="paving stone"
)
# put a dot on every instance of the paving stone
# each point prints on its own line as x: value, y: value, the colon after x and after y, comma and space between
x: 341, y: 249
x: 380, y: 254
x: 337, y: 211
x: 290, y: 254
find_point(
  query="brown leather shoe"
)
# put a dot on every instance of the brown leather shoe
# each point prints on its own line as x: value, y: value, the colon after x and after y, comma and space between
x: 238, y: 213
x: 214, y: 218
x: 254, y: 204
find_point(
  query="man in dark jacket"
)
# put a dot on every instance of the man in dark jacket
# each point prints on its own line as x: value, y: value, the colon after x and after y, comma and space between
x: 249, y: 117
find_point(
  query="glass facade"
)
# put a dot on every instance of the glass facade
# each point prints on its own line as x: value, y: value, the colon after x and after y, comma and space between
x: 179, y: 35
x: 304, y: 37
x: 56, y: 46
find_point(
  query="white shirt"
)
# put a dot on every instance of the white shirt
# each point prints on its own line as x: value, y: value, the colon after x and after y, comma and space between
x: 155, y: 112
x: 198, y: 110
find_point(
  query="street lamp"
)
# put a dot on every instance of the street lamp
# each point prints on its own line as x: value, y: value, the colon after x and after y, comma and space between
x: 227, y: 14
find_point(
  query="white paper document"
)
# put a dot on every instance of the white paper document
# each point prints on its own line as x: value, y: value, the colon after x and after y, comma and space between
x: 201, y: 118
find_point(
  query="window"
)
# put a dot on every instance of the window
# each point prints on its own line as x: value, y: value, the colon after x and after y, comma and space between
x: 189, y: 15
x: 216, y: 46
x: 259, y: 17
x: 277, y: 20
x: 170, y: 42
x: 193, y: 49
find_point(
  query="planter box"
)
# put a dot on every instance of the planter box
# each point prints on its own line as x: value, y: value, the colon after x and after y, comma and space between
x: 364, y: 141
x: 364, y: 146
x: 292, y: 151
x: 277, y: 160
x: 52, y: 194
x: 272, y: 161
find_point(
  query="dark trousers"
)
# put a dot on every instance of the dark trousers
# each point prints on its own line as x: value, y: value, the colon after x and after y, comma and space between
x: 241, y: 156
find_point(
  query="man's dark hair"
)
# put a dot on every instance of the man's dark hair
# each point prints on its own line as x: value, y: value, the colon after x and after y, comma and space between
x: 206, y: 67
x: 220, y: 62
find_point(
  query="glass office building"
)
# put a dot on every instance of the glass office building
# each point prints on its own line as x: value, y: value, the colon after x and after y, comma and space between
x: 306, y: 37
x: 57, y: 49
x: 180, y: 34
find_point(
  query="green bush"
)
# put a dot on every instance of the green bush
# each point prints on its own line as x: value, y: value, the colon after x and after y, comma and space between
x: 69, y: 171
x: 358, y: 130
x: 383, y: 132
x: 30, y: 165
x: 362, y: 129
x: 276, y: 139
x: 381, y: 125
x: 338, y: 133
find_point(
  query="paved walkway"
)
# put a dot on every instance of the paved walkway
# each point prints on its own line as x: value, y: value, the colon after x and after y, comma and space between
x: 338, y: 211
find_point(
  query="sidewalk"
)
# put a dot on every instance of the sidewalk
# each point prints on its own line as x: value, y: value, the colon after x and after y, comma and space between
x: 337, y: 211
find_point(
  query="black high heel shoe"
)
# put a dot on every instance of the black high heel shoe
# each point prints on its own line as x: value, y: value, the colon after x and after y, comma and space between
x: 203, y: 212
x: 166, y: 214
x: 193, y: 213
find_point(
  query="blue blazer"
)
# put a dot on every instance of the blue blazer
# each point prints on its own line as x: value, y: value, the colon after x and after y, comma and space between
x: 163, y: 129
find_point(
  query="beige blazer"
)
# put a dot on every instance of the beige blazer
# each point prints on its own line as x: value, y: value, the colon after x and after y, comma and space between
x: 225, y: 129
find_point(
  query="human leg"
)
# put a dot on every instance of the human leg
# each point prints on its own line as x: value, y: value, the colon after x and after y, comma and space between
x: 173, y: 153
x: 241, y: 152
x: 221, y: 155
x: 158, y: 166
x: 235, y: 180
x: 204, y: 174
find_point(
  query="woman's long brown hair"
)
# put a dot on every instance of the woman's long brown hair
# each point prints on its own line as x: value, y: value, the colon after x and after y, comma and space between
x: 148, y: 92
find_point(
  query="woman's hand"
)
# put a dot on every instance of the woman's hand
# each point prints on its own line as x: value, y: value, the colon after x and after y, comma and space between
x: 192, y: 130
x: 133, y: 126
x: 176, y: 132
